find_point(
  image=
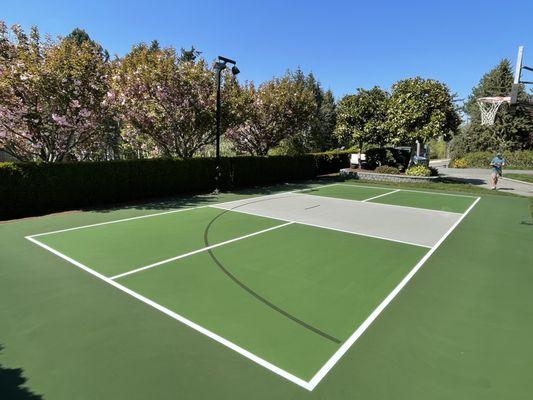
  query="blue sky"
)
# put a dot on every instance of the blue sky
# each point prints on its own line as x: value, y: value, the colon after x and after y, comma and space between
x: 346, y: 44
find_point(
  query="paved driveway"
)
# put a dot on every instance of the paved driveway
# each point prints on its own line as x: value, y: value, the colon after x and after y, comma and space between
x: 481, y: 176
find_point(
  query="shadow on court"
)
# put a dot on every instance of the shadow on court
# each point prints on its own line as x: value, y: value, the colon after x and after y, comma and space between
x: 195, y: 199
x: 12, y: 382
x: 200, y: 199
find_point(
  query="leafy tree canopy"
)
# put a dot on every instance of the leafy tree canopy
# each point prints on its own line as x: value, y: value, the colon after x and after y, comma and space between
x: 278, y: 109
x: 168, y: 106
x: 421, y: 109
x: 362, y: 117
x: 52, y: 96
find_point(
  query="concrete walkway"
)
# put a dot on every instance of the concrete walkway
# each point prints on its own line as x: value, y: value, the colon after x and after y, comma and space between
x: 481, y: 177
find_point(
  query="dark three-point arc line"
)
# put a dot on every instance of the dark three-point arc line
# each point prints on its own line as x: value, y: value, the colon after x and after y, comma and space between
x: 253, y: 292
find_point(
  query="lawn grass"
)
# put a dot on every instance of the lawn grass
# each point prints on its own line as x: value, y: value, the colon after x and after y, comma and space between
x: 520, y: 177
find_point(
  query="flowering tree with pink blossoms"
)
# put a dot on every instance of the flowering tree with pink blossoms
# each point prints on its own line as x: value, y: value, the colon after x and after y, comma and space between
x: 276, y: 110
x: 52, y: 96
x: 167, y: 103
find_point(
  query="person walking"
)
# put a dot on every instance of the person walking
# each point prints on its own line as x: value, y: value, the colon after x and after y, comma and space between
x: 497, y: 164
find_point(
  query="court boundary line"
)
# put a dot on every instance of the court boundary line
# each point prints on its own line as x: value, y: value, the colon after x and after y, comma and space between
x: 380, y: 195
x: 407, y: 190
x: 379, y: 309
x: 326, y: 227
x: 201, y: 250
x: 381, y: 204
x: 332, y: 361
x: 191, y: 324
x: 169, y: 212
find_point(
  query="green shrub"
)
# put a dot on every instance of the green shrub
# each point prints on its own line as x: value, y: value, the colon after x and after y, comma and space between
x: 481, y: 159
x: 387, y: 156
x: 386, y: 169
x: 418, y: 170
x: 459, y: 163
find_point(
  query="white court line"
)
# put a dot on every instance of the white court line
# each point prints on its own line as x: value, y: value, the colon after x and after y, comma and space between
x: 189, y: 323
x: 173, y: 211
x: 324, y: 227
x: 118, y: 220
x: 380, y: 195
x: 407, y: 190
x: 372, y: 317
x: 133, y: 271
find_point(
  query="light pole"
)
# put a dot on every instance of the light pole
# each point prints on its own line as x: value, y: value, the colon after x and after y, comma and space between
x: 220, y: 65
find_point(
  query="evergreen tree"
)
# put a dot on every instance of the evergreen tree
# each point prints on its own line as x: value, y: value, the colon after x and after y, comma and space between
x: 319, y: 134
x: 512, y: 129
x: 80, y: 36
x: 189, y: 55
x: 328, y: 118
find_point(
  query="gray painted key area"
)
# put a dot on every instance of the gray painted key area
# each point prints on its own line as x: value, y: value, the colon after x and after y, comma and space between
x: 404, y: 224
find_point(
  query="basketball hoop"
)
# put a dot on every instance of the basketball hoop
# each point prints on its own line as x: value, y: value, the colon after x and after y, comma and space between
x: 489, y: 107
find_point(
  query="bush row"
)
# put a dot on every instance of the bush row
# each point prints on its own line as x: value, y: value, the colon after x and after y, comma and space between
x: 481, y: 159
x: 37, y: 188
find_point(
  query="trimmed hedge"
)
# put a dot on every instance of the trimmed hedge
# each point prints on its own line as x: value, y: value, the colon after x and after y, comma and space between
x: 37, y: 188
x: 481, y: 159
x: 332, y: 161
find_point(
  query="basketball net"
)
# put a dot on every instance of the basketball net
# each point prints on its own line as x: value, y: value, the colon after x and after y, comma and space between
x: 489, y: 107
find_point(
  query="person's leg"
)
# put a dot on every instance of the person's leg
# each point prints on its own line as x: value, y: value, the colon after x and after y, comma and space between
x: 494, y: 180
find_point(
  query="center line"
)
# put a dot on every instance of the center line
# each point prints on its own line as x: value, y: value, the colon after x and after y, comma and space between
x: 381, y: 195
x: 198, y: 251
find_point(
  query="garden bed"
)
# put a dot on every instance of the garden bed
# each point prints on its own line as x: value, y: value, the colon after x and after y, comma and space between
x: 375, y: 176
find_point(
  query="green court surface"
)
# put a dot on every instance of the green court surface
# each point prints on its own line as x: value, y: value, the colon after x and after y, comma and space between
x: 430, y: 201
x: 115, y: 248
x: 294, y: 279
x: 203, y: 302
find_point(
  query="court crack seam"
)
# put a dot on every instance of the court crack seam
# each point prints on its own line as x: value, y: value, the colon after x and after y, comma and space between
x: 248, y: 289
